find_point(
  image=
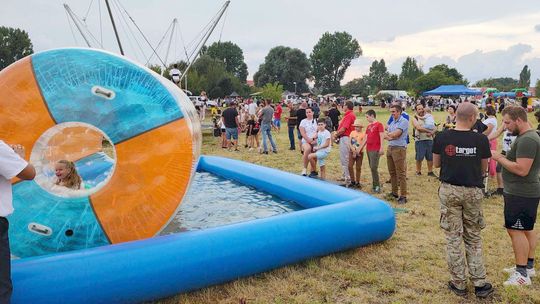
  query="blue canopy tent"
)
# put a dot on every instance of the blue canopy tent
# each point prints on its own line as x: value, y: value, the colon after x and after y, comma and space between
x: 452, y: 90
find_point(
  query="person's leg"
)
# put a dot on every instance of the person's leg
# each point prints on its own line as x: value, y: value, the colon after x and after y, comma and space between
x: 473, y: 223
x: 6, y: 286
x: 229, y: 137
x: 235, y: 138
x: 344, y: 156
x: 500, y: 183
x: 352, y: 160
x: 265, y: 132
x: 520, y: 244
x: 532, y: 238
x: 272, y: 142
x: 418, y: 167
x: 429, y: 155
x: 492, y: 162
x: 519, y: 219
x: 451, y: 222
x: 307, y: 150
x: 291, y: 138
x: 323, y: 171
x: 392, y: 169
x: 359, y: 160
x: 312, y: 158
x: 400, y: 157
x: 256, y: 137
x: 373, y: 157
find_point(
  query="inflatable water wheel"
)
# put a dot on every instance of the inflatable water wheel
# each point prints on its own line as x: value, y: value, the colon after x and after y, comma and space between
x: 132, y: 135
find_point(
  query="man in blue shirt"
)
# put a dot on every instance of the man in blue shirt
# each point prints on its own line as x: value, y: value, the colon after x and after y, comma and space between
x: 396, y: 155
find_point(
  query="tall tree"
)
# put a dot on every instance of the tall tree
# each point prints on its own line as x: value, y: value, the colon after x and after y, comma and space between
x: 285, y: 66
x: 525, y: 77
x: 537, y: 87
x: 232, y: 56
x: 14, y: 45
x: 209, y: 74
x: 410, y: 70
x: 379, y: 78
x: 331, y: 57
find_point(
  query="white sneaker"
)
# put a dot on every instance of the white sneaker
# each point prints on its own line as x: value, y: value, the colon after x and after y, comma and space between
x: 530, y: 272
x: 516, y: 279
x: 304, y: 172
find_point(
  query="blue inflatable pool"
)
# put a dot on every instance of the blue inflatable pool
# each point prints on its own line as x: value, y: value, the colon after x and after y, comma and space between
x: 335, y: 219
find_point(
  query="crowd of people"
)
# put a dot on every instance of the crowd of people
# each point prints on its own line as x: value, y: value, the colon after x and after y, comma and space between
x: 463, y: 146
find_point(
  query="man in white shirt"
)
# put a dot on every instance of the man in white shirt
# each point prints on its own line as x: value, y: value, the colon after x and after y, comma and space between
x: 252, y: 107
x: 12, y: 165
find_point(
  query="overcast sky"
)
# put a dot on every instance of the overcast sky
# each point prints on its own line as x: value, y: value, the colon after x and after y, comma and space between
x: 480, y: 38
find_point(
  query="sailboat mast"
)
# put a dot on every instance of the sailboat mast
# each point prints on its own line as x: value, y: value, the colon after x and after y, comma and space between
x: 114, y: 27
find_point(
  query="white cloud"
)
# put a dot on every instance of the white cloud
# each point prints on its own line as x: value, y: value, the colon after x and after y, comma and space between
x: 489, y: 49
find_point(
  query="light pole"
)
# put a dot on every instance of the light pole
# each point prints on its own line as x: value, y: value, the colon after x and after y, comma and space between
x: 294, y: 87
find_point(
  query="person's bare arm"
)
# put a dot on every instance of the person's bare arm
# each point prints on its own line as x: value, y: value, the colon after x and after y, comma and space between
x: 500, y: 130
x: 393, y: 135
x: 485, y: 162
x: 381, y: 151
x: 28, y: 173
x: 488, y: 130
x: 436, y: 160
x: 520, y: 167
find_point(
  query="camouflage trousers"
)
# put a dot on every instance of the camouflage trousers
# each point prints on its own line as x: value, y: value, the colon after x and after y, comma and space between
x: 462, y: 220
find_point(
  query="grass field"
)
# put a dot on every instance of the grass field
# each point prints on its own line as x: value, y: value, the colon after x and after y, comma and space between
x: 408, y: 268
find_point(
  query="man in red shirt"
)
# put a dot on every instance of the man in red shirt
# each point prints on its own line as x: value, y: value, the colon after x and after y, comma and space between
x: 374, y: 142
x: 277, y: 116
x: 344, y: 130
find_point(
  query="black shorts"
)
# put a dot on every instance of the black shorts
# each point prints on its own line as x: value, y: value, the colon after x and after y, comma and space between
x: 520, y: 212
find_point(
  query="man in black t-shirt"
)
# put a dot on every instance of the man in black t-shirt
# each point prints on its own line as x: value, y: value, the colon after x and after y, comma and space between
x: 334, y: 114
x: 463, y: 156
x: 291, y: 124
x: 300, y: 115
x: 231, y: 122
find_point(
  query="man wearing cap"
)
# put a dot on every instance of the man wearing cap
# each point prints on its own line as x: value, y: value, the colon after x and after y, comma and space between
x: 344, y: 130
x: 462, y: 155
x: 356, y: 153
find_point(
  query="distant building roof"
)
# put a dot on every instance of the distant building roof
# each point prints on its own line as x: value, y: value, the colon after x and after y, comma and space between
x: 250, y: 83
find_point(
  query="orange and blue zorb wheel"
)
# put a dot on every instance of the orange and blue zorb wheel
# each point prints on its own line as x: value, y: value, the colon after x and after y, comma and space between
x: 132, y: 134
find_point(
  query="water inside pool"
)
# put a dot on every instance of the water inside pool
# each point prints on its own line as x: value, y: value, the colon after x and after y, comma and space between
x: 213, y: 201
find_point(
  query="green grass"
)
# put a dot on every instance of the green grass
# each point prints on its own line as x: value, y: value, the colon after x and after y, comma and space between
x: 408, y: 268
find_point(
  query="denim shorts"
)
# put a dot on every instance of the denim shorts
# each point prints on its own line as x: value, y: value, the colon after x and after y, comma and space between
x: 231, y: 132
x: 277, y: 122
x: 424, y: 150
x: 321, y: 156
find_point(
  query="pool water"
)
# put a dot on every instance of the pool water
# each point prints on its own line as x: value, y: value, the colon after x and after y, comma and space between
x: 213, y: 201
